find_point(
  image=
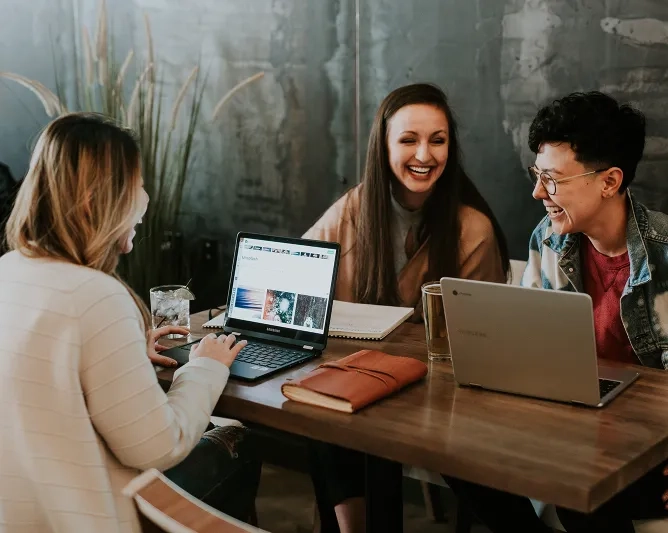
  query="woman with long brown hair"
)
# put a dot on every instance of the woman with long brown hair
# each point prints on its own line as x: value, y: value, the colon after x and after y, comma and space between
x: 82, y: 410
x: 416, y: 217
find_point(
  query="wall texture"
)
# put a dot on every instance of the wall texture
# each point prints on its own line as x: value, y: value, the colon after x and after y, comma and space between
x: 280, y: 151
x: 25, y: 49
x: 288, y: 145
x: 499, y: 61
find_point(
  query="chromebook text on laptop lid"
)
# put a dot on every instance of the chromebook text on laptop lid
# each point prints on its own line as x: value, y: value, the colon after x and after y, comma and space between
x: 534, y: 342
x: 282, y: 289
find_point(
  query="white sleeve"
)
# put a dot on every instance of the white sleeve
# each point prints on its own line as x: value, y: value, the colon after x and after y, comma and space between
x: 142, y: 426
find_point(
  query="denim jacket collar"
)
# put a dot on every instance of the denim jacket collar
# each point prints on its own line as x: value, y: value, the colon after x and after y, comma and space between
x: 567, y: 246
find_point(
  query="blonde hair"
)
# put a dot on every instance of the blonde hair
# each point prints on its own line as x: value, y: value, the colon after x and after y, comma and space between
x: 80, y: 199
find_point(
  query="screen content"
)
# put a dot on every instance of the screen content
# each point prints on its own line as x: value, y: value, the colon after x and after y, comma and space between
x: 280, y: 282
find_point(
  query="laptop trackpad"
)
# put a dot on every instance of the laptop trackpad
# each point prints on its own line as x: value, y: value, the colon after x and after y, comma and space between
x: 181, y: 354
x: 243, y: 370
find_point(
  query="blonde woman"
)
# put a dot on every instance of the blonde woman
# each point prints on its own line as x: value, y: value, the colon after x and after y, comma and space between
x: 82, y: 410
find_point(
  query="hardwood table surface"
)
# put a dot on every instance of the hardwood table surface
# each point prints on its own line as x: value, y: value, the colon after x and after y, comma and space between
x: 575, y: 457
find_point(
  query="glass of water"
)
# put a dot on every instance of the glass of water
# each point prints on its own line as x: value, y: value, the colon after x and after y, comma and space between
x: 170, y: 306
x: 438, y: 346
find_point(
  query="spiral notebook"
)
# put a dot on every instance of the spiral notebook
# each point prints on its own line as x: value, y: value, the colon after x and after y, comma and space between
x: 365, y: 321
x: 217, y: 321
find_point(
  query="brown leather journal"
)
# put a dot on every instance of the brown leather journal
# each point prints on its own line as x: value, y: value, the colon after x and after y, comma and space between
x: 355, y: 381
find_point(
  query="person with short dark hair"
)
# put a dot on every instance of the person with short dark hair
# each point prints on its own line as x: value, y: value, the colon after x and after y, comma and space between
x: 598, y: 239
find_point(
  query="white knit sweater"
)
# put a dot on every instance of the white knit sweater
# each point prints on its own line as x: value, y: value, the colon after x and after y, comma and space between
x: 81, y: 410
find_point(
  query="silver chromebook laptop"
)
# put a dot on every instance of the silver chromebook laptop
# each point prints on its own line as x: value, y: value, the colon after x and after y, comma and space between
x: 533, y: 342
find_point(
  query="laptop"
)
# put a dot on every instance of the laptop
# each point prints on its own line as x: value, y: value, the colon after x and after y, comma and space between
x: 280, y: 301
x: 533, y: 342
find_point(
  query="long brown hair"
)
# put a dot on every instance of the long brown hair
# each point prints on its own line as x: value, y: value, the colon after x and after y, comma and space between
x: 376, y: 280
x: 79, y: 199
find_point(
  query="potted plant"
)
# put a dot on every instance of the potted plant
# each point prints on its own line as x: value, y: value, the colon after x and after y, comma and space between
x: 166, y: 138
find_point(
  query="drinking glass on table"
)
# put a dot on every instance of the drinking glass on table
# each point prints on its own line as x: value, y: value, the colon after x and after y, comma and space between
x: 170, y: 306
x: 438, y: 345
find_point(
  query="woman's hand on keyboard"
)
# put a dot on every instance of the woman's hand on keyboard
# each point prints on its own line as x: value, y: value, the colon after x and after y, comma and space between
x: 222, y: 349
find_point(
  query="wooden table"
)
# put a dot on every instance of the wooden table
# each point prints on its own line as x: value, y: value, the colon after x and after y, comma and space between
x: 575, y: 457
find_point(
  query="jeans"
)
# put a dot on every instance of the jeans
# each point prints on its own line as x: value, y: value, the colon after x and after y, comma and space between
x: 222, y: 471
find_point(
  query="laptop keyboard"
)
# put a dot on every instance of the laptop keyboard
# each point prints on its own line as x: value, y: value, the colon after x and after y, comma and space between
x: 607, y: 385
x: 268, y: 355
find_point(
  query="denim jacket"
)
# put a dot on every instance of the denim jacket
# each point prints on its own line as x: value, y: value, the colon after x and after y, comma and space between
x: 554, y: 263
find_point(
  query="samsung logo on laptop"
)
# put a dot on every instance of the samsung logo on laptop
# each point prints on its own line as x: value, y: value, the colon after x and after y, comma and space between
x: 473, y: 333
x: 274, y: 330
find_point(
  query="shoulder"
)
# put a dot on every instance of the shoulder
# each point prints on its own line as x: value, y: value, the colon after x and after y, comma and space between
x: 652, y: 225
x: 657, y: 225
x: 541, y: 232
x: 105, y: 292
x: 480, y: 257
x: 346, y: 207
x: 341, y: 213
x: 57, y: 275
x: 72, y: 290
x: 88, y: 288
x: 476, y: 227
x: 654, y: 235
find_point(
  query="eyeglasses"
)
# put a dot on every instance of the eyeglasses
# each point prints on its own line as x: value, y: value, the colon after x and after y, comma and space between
x: 549, y: 182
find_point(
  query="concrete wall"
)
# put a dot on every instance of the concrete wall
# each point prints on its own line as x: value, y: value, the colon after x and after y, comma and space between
x: 280, y: 151
x: 25, y: 49
x: 287, y: 146
x: 499, y: 61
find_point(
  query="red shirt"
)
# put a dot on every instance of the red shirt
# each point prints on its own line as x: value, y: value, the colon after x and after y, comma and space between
x: 604, y: 280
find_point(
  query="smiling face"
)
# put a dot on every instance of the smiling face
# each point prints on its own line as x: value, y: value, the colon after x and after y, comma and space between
x: 417, y: 146
x: 576, y: 205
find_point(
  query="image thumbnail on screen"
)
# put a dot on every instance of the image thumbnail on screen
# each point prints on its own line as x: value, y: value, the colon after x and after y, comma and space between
x: 250, y: 302
x: 310, y: 311
x: 279, y: 306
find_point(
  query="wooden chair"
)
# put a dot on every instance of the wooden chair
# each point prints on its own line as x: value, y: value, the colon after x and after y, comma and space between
x: 164, y: 507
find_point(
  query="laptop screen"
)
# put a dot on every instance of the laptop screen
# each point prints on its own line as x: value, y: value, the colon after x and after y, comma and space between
x: 282, y: 284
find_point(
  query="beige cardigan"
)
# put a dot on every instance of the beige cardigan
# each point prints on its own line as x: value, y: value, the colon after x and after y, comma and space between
x: 81, y: 410
x: 479, y: 252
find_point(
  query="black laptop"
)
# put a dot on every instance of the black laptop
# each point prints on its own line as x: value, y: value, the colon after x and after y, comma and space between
x: 280, y: 301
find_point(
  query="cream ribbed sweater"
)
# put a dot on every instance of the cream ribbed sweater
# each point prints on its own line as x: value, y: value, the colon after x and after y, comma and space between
x: 81, y: 410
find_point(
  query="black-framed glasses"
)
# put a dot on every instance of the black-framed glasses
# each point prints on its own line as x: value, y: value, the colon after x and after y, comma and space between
x: 550, y: 183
